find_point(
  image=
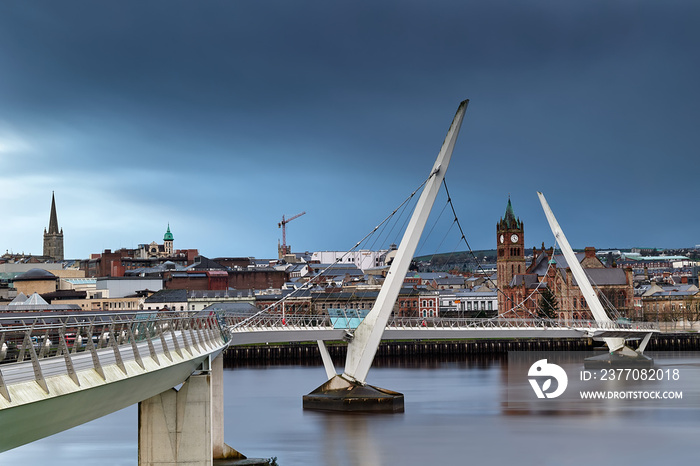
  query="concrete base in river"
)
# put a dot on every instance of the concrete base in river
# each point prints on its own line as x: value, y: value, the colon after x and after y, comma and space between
x: 339, y: 394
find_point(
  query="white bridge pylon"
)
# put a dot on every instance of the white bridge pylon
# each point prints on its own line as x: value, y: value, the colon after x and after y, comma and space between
x: 363, y: 347
x: 601, y: 317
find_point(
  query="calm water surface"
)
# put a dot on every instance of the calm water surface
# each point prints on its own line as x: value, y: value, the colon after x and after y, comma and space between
x: 456, y: 413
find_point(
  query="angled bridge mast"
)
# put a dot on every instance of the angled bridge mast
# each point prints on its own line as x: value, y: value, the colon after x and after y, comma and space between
x: 363, y: 347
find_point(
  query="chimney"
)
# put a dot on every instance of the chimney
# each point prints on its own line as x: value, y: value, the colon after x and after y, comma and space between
x: 590, y: 252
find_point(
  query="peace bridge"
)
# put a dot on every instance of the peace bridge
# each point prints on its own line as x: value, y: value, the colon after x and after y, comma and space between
x: 60, y: 371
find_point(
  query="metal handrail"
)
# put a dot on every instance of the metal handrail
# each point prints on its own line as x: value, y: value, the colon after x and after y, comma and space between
x: 47, y: 333
x: 239, y: 324
x: 39, y: 337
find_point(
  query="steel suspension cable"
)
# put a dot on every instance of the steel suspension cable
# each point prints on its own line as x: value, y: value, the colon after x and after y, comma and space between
x: 498, y: 290
x: 309, y: 284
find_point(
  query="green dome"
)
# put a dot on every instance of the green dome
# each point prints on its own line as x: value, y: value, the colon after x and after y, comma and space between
x: 168, y: 236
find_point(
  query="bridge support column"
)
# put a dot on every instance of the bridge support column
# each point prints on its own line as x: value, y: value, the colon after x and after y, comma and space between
x: 186, y: 426
x: 219, y: 448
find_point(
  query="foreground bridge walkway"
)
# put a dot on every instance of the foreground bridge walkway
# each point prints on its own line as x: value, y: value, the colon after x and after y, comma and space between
x: 57, y: 372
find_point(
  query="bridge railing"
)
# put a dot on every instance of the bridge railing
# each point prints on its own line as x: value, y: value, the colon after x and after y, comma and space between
x: 40, y: 335
x: 35, y: 337
x: 300, y: 321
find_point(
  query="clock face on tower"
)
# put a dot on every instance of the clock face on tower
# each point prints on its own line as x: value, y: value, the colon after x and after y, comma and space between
x: 501, y: 239
x: 514, y: 238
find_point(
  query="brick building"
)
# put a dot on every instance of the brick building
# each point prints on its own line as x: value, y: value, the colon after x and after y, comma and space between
x: 510, y: 259
x: 115, y: 264
x: 196, y: 280
x: 257, y: 279
x: 522, y: 284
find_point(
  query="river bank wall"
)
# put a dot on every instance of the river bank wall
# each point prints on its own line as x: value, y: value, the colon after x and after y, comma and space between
x: 308, y: 353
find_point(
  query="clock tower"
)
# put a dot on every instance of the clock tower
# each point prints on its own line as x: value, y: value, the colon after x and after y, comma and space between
x: 511, y: 254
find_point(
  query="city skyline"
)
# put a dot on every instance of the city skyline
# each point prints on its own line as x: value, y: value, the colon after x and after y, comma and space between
x: 220, y: 118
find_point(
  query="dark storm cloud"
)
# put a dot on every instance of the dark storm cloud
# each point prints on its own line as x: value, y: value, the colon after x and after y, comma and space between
x: 237, y: 95
x: 170, y: 57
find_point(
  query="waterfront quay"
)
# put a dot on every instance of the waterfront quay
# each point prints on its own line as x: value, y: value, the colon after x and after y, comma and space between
x: 307, y: 353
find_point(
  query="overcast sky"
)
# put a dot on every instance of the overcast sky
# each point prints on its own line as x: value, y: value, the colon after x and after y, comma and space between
x: 218, y: 117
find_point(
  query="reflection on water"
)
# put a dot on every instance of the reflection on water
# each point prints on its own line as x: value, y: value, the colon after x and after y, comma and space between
x: 455, y: 414
x: 347, y: 437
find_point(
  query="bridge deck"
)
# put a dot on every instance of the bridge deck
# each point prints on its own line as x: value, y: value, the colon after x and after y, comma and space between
x: 19, y: 372
x: 38, y: 404
x: 276, y: 329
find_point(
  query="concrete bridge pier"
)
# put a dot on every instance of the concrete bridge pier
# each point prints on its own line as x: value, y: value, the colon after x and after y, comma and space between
x: 186, y: 426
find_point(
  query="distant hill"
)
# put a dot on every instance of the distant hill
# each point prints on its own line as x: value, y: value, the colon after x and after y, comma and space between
x: 467, y: 262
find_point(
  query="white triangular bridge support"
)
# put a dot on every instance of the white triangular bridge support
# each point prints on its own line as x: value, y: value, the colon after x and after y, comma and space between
x: 365, y: 341
x: 349, y: 391
x: 616, y: 345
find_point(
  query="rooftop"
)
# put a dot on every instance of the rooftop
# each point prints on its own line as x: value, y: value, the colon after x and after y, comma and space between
x: 168, y: 296
x: 35, y: 274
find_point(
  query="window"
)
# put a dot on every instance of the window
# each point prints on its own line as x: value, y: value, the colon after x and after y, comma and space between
x: 490, y: 305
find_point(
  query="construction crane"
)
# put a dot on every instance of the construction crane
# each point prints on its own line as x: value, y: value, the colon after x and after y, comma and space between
x: 283, y: 248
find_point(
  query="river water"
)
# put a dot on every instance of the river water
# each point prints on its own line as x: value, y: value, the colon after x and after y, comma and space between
x: 455, y: 413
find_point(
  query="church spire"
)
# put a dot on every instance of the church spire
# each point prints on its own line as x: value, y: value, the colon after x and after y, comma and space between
x: 53, y: 238
x: 53, y: 220
x: 509, y: 220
